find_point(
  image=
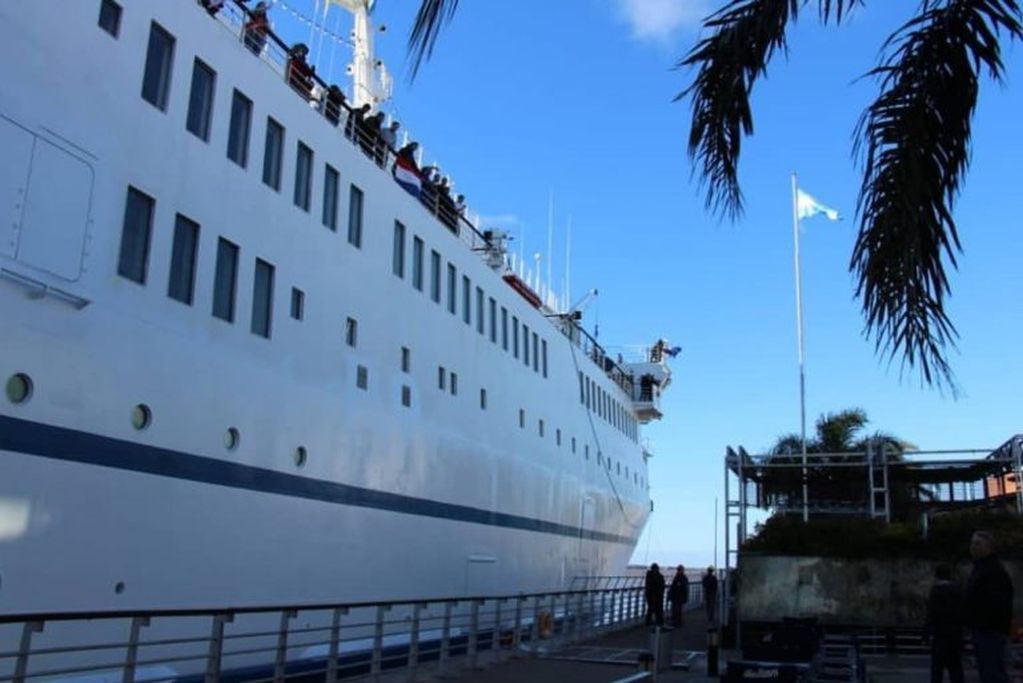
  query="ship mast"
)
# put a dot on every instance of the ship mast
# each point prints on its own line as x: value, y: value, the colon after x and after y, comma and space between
x: 371, y: 83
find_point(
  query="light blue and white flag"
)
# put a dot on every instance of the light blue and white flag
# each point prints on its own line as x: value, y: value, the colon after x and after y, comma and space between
x: 807, y: 206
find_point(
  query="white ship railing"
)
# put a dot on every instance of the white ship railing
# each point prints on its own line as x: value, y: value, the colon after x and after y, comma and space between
x: 346, y: 641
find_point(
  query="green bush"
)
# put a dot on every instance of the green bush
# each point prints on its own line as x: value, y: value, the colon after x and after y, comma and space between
x: 947, y: 538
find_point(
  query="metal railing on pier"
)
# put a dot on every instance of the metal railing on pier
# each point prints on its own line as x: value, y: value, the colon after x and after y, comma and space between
x: 605, y: 582
x: 347, y: 641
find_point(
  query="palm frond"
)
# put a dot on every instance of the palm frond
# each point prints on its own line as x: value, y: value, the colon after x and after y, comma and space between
x: 914, y: 146
x: 432, y: 15
x: 893, y: 445
x: 837, y: 8
x: 746, y: 34
x: 787, y: 444
x: 835, y: 431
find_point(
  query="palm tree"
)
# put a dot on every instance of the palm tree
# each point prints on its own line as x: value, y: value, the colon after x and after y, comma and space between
x: 913, y: 144
x: 840, y: 488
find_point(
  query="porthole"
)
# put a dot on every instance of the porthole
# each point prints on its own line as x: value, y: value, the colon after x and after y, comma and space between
x: 141, y: 416
x: 19, y: 388
x: 119, y: 587
x: 300, y: 456
x: 231, y: 438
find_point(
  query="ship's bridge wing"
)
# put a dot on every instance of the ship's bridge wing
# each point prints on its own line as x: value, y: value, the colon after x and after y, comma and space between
x: 651, y: 376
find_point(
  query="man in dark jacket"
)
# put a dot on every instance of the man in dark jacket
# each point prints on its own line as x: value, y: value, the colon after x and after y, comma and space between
x: 654, y: 589
x: 945, y: 626
x: 678, y: 595
x: 710, y: 594
x: 988, y: 608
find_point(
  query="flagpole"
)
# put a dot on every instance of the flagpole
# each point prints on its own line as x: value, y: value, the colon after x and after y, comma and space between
x: 799, y: 337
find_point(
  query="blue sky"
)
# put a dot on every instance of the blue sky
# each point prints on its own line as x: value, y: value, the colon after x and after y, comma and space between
x: 574, y: 98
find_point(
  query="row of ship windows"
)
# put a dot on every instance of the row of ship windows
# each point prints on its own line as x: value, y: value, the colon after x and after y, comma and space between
x: 604, y: 405
x: 133, y: 265
x: 155, y: 90
x: 486, y: 308
x: 447, y: 380
x: 19, y: 389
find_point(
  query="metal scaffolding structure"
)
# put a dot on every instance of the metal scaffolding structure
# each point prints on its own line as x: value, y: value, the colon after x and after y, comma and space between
x: 872, y: 483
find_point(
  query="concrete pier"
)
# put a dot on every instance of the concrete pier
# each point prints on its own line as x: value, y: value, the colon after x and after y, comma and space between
x: 607, y: 658
x: 578, y: 662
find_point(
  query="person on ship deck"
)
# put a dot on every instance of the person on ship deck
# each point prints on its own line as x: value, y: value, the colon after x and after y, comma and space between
x: 300, y: 72
x: 408, y: 152
x: 445, y: 209
x: 333, y: 104
x: 212, y: 7
x: 255, y: 30
x: 357, y: 123
x: 389, y: 136
x: 372, y: 144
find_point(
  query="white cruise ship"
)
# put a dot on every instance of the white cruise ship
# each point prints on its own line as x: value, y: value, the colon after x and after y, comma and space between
x: 243, y: 365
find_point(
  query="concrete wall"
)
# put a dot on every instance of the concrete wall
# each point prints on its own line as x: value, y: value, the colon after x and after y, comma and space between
x: 875, y: 592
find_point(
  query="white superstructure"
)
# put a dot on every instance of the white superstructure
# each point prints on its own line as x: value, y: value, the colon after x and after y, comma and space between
x: 232, y: 381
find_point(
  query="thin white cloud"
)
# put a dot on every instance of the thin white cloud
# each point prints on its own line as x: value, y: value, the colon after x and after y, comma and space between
x: 659, y: 20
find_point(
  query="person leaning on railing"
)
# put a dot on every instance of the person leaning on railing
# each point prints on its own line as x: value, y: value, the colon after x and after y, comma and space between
x: 428, y: 194
x: 333, y: 104
x: 446, y: 205
x: 373, y: 143
x: 212, y: 7
x: 389, y: 136
x: 408, y: 153
x: 357, y: 123
x: 300, y: 72
x: 256, y: 28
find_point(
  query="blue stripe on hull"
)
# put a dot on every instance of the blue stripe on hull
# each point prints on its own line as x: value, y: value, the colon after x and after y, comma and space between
x: 59, y: 443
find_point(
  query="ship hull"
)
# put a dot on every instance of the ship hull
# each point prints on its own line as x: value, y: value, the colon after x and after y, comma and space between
x: 168, y: 456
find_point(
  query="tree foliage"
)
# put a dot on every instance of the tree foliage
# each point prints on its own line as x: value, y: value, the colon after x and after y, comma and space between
x: 947, y: 538
x: 838, y: 441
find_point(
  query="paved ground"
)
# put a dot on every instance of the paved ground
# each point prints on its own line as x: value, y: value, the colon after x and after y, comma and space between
x: 689, y: 644
x: 625, y: 645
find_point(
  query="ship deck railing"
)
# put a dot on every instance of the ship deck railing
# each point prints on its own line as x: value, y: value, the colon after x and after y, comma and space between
x: 343, y: 641
x: 275, y: 53
x: 603, y: 360
x: 463, y: 223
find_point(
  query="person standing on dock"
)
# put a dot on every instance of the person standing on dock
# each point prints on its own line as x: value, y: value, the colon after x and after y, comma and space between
x: 654, y: 589
x: 988, y: 608
x: 945, y: 626
x: 710, y: 593
x: 678, y: 595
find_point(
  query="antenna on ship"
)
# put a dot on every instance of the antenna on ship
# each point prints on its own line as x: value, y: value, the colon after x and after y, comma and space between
x: 522, y: 251
x: 550, y: 244
x: 568, y: 262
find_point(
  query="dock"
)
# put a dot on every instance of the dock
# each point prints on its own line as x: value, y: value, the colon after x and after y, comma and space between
x: 613, y: 658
